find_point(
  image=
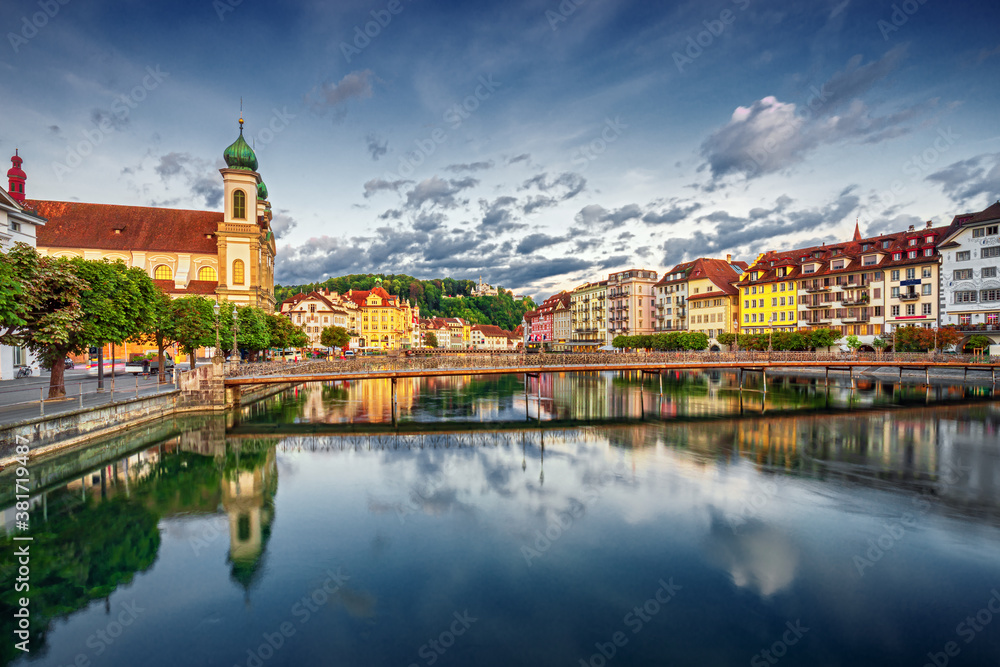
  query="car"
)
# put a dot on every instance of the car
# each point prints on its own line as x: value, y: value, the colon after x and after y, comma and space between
x: 348, y: 354
x: 69, y: 363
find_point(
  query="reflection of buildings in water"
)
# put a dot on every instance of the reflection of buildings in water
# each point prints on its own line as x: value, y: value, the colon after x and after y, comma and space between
x: 248, y: 488
x: 968, y: 471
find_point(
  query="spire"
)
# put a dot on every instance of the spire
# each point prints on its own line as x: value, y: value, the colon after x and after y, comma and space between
x: 857, y: 230
x: 16, y: 178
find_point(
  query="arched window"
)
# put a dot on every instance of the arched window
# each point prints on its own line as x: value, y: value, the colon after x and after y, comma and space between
x: 207, y: 273
x: 163, y: 272
x: 239, y: 205
x: 238, y: 276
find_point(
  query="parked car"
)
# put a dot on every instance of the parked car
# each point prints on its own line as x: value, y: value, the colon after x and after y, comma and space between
x: 348, y: 354
x: 69, y: 363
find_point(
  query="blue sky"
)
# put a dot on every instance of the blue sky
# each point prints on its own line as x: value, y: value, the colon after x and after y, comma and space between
x: 536, y: 143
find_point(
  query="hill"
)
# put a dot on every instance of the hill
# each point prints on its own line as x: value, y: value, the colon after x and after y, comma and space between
x: 442, y: 297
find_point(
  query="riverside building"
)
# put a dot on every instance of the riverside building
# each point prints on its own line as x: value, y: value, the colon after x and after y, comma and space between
x: 970, y: 284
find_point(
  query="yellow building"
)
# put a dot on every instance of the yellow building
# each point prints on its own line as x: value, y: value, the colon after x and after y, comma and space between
x: 383, y: 320
x: 588, y: 323
x: 768, y: 298
x: 712, y: 300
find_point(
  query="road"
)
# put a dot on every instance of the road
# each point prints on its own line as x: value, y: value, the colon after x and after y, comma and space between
x: 19, y: 399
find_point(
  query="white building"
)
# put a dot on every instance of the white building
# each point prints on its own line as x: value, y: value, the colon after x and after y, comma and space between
x: 16, y: 225
x: 970, y: 274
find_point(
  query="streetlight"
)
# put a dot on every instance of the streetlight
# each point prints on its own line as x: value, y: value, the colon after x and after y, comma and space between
x: 236, y: 330
x: 215, y: 309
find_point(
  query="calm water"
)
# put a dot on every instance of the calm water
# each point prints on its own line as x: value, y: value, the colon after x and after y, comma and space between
x: 594, y: 521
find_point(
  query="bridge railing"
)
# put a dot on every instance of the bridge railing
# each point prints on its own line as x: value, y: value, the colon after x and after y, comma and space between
x: 473, y: 361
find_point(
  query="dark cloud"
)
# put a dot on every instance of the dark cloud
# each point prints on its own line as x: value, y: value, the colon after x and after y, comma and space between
x: 533, y: 242
x: 967, y: 181
x: 376, y: 145
x: 571, y: 182
x: 391, y: 214
x: 282, y: 223
x: 171, y: 164
x: 523, y: 157
x: 594, y: 214
x: 672, y: 214
x: 498, y: 216
x: 472, y: 166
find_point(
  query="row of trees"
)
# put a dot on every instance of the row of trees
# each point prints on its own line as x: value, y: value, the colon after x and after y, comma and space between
x: 675, y: 340
x: 804, y: 339
x: 57, y: 306
x: 432, y: 296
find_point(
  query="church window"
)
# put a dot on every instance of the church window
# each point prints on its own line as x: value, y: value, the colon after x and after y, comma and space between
x: 207, y: 273
x: 239, y: 205
x: 163, y: 272
x: 238, y: 272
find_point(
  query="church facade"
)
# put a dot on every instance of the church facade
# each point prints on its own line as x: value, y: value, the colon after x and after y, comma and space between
x: 227, y: 255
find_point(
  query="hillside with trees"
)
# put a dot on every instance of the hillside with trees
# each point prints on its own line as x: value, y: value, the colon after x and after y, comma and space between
x: 442, y: 297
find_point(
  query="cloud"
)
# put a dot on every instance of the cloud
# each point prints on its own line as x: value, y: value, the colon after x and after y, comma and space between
x: 438, y: 192
x: 327, y: 95
x: 523, y: 157
x: 282, y: 223
x: 376, y: 185
x: 377, y: 146
x: 674, y: 213
x: 498, y: 216
x: 533, y: 242
x: 106, y: 117
x: 594, y: 214
x: 171, y: 164
x: 198, y: 177
x: 749, y: 235
x: 572, y: 182
x: 770, y: 135
x: 473, y: 166
x: 969, y: 180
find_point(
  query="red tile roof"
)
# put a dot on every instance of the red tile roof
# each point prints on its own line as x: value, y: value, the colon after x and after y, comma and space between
x: 193, y: 287
x: 81, y: 225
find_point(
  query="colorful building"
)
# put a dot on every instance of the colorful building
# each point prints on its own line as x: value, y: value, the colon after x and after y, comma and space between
x: 383, y: 321
x: 713, y: 301
x: 970, y: 269
x: 630, y: 303
x: 588, y: 313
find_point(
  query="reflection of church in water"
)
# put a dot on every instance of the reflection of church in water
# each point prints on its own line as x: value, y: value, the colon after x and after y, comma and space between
x: 248, y: 489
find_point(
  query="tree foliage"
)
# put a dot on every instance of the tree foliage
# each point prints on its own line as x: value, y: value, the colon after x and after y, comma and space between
x: 194, y: 324
x: 430, y: 339
x: 674, y: 340
x: 334, y: 337
x: 919, y: 339
x: 284, y: 334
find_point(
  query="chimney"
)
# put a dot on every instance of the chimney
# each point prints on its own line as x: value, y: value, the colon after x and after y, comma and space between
x: 911, y: 228
x: 729, y: 259
x: 929, y: 223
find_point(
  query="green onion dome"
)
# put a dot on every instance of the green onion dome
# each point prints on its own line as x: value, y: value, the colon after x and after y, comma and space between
x: 239, y: 155
x: 261, y: 191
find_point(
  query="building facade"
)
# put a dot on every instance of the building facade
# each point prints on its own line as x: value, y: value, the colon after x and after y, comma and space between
x: 588, y: 311
x: 670, y: 295
x: 318, y: 310
x: 228, y: 255
x: 383, y: 321
x: 970, y: 274
x: 630, y: 303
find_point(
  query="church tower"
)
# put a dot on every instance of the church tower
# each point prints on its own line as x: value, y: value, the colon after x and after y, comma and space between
x: 16, y: 178
x: 246, y: 243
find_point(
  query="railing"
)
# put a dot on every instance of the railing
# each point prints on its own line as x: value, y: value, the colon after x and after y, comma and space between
x: 908, y: 297
x: 75, y: 393
x: 479, y: 360
x: 818, y: 288
x: 977, y: 328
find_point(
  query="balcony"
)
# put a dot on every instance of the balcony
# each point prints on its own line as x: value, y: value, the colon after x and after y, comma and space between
x: 822, y: 304
x: 854, y: 302
x: 821, y: 288
x: 976, y: 328
x: 909, y: 296
x: 855, y: 319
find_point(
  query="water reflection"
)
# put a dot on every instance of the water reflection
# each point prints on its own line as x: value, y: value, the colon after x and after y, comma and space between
x: 547, y: 532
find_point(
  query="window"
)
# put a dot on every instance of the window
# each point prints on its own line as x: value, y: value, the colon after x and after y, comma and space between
x: 746, y: 304
x: 979, y: 233
x: 895, y: 292
x: 239, y: 205
x: 791, y: 301
x: 926, y: 308
x: 989, y: 295
x: 782, y: 301
x: 896, y: 256
x: 15, y: 226
x: 965, y: 297
x: 163, y: 272
x: 990, y: 252
x: 207, y: 273
x: 992, y: 230
x: 963, y: 256
x: 913, y: 242
x: 926, y: 273
x: 746, y: 318
x: 895, y: 275
x: 990, y: 272
x: 895, y: 311
x: 774, y: 302
x: 782, y: 287
x: 911, y: 309
x: 782, y: 316
x: 925, y: 289
x: 928, y: 252
x: 870, y: 260
x: 963, y: 274
x: 911, y: 274
x: 912, y: 254
x: 839, y: 264
x: 886, y: 244
x: 238, y: 272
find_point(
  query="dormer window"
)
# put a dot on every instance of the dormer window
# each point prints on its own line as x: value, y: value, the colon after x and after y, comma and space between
x: 838, y: 264
x: 913, y: 241
x: 870, y: 260
x: 886, y: 244
x: 896, y: 256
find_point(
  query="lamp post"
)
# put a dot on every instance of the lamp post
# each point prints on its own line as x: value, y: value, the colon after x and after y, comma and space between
x: 215, y: 309
x: 236, y: 330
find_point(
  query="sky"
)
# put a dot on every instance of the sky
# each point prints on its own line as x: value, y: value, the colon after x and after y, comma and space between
x: 538, y: 144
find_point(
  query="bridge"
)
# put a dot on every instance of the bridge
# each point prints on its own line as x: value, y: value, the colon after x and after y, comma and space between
x: 982, y: 369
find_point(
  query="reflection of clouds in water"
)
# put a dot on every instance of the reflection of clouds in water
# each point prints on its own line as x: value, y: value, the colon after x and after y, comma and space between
x: 758, y: 557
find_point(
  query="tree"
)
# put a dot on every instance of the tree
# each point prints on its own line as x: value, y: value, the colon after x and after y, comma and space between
x: 978, y: 342
x: 284, y: 334
x: 334, y: 337
x: 431, y: 339
x: 160, y: 329
x: 880, y: 344
x: 726, y: 338
x: 853, y: 343
x: 194, y: 324
x: 823, y: 338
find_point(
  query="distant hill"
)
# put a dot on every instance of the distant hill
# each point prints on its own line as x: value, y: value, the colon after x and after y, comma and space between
x: 431, y: 295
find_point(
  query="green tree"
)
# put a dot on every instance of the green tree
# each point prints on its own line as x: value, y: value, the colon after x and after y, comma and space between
x: 195, y: 324
x: 430, y: 339
x: 284, y: 334
x: 823, y: 338
x: 160, y: 329
x: 334, y: 337
x: 979, y: 341
x: 853, y: 343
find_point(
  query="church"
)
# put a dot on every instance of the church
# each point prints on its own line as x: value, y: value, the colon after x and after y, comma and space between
x: 227, y: 255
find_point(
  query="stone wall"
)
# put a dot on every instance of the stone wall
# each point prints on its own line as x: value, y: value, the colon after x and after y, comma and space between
x: 203, y: 388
